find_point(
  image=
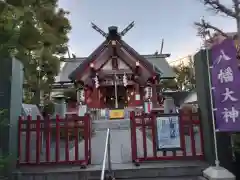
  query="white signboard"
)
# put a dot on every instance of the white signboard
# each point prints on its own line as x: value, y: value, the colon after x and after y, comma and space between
x: 137, y: 97
x: 82, y: 110
x: 168, y: 135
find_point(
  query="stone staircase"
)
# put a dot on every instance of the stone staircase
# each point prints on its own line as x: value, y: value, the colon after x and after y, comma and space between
x: 178, y: 170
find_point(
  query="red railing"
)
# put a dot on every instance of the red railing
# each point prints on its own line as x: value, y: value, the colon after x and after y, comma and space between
x: 147, y: 147
x: 54, y: 141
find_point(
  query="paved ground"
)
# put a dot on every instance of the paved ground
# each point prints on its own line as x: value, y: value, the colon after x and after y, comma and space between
x: 120, y: 141
x: 120, y: 144
x: 179, y: 170
x: 127, y: 166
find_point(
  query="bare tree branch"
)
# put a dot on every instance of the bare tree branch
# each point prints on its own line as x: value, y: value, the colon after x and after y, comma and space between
x: 236, y: 7
x: 204, y: 26
x: 219, y: 7
x: 236, y: 3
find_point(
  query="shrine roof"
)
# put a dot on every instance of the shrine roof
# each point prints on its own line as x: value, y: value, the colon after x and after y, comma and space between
x: 69, y: 66
x: 32, y: 110
x: 159, y: 63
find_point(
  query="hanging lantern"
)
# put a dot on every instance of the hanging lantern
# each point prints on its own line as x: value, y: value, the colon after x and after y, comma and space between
x: 125, y: 83
x: 96, y: 82
x: 82, y: 95
x: 148, y: 91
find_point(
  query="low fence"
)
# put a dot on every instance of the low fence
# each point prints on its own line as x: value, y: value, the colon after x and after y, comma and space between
x: 166, y: 136
x: 67, y: 140
x: 54, y: 141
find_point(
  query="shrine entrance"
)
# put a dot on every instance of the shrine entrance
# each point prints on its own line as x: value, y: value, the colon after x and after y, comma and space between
x: 116, y: 97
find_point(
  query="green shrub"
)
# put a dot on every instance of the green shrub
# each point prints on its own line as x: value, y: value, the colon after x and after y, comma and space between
x: 48, y: 108
x: 236, y: 142
x: 3, y: 159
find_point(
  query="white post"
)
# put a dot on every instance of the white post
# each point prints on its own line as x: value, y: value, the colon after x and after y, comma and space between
x: 217, y: 163
x: 214, y: 172
x: 116, y: 93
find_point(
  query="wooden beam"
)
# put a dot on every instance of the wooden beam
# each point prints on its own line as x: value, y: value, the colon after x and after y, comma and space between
x: 134, y: 54
x: 145, y: 74
x: 112, y: 52
x: 131, y: 63
x: 130, y: 83
x: 76, y: 74
x: 113, y: 72
x: 98, y: 62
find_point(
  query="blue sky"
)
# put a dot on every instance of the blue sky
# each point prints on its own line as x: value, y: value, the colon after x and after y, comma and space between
x: 154, y: 20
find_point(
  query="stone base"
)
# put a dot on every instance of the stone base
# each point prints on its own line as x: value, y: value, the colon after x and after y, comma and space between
x: 218, y: 173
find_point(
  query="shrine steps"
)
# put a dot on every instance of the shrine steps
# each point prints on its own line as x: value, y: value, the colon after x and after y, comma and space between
x: 177, y: 170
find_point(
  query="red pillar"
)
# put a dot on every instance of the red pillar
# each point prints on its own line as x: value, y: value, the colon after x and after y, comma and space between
x: 96, y: 98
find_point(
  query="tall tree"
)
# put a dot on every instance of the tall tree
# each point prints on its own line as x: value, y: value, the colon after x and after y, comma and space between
x: 185, y: 77
x: 35, y: 31
x: 184, y: 81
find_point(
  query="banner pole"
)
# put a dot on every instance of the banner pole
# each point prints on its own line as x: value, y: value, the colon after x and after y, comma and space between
x: 116, y: 91
x: 217, y: 163
x: 214, y: 172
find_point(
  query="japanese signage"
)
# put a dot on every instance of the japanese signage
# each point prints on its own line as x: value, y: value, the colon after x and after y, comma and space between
x: 116, y: 114
x: 225, y: 81
x: 168, y: 135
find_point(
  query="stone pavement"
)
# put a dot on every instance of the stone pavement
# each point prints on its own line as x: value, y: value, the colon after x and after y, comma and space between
x: 166, y: 170
x: 121, y: 142
x: 120, y: 136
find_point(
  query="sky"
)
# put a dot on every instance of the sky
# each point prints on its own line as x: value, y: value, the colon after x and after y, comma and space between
x: 171, y: 20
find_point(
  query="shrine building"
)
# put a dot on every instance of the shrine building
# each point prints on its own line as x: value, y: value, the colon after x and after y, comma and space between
x: 114, y: 76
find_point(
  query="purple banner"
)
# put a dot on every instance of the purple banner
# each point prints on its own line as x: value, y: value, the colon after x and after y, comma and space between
x: 225, y: 77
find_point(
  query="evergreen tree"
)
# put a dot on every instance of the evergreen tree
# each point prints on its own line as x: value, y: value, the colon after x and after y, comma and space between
x: 35, y: 31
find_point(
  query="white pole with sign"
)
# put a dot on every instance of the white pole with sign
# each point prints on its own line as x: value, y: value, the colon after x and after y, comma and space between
x: 214, y: 172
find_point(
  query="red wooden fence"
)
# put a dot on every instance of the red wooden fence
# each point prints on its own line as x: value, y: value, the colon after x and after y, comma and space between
x: 54, y: 141
x: 145, y: 148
